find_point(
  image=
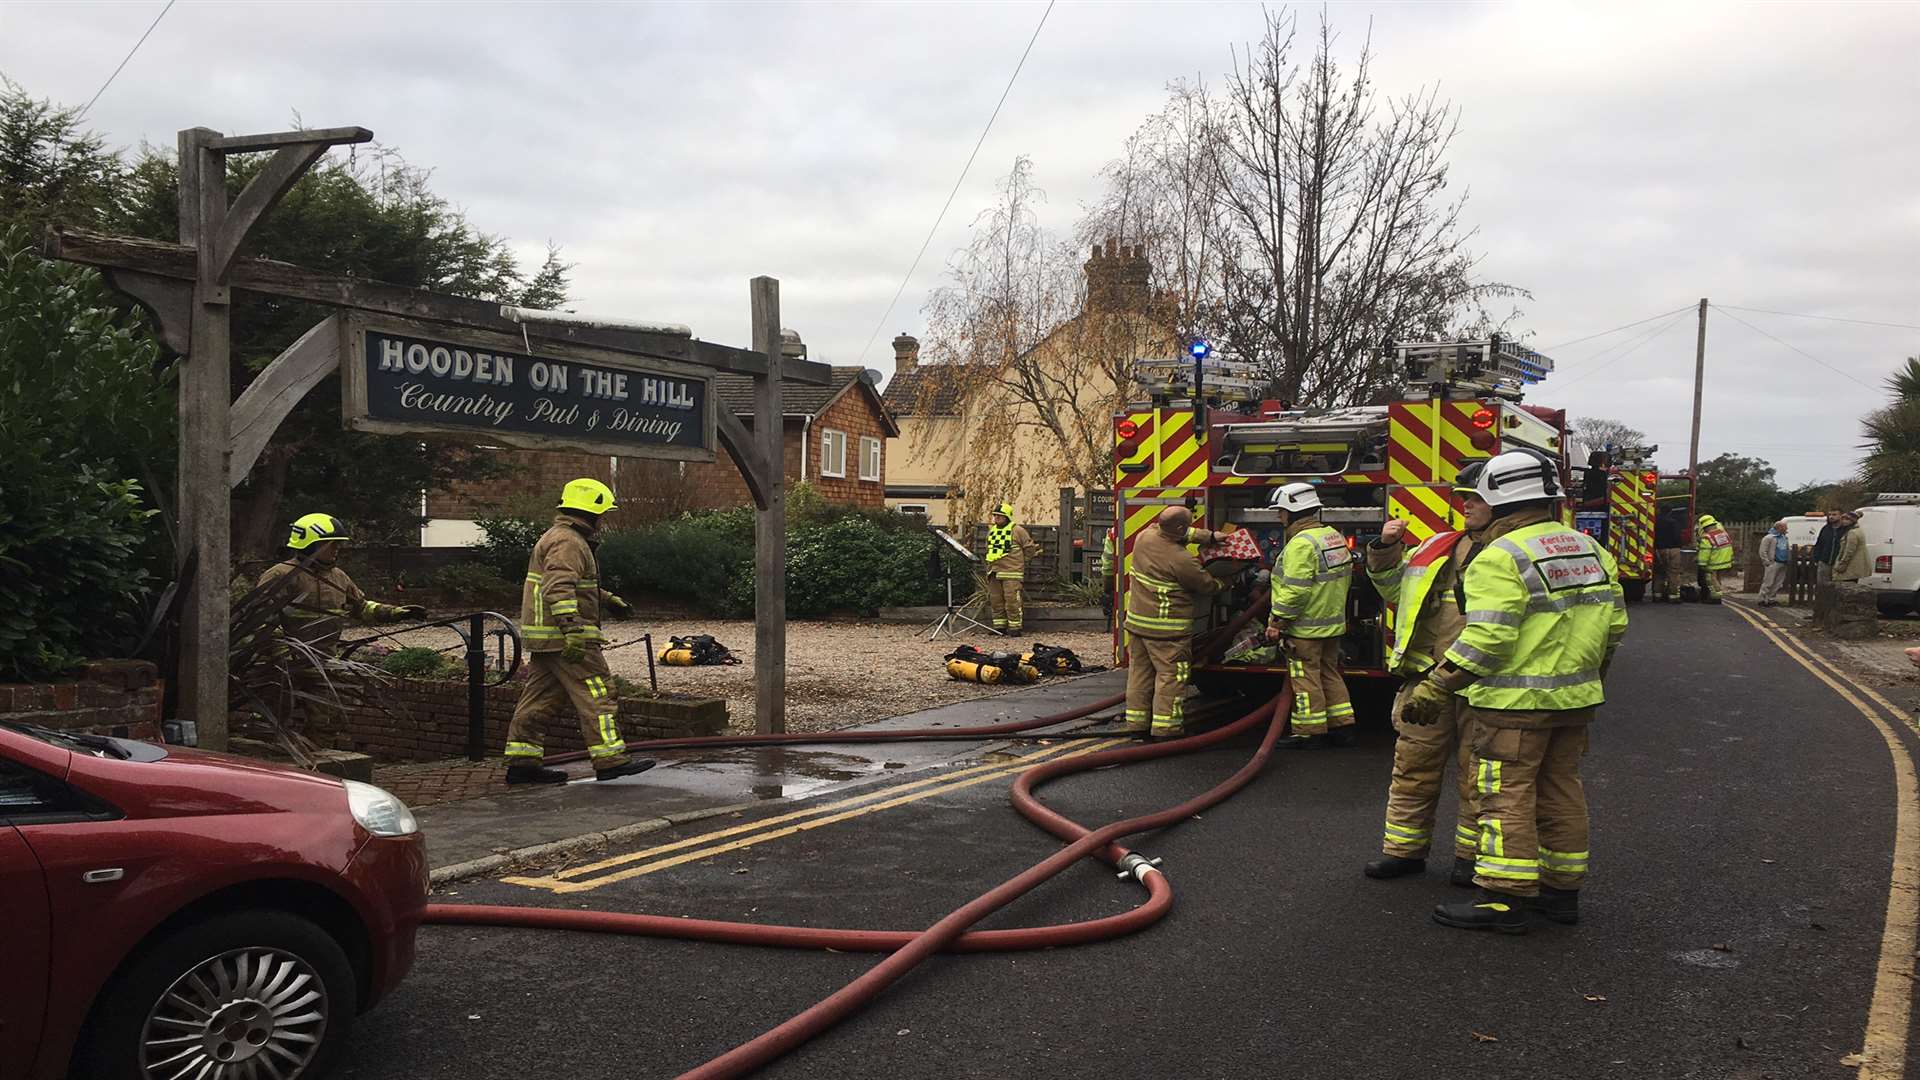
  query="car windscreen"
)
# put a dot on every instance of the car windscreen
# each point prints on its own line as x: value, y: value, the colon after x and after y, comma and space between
x: 78, y: 742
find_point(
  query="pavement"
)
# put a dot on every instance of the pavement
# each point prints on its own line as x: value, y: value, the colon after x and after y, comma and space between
x: 479, y: 833
x: 1750, y: 805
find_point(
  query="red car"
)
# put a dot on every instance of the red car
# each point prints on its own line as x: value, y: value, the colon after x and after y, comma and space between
x: 171, y: 913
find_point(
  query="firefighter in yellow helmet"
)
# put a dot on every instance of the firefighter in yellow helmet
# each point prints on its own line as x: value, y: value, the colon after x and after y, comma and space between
x: 1420, y: 587
x: 1544, y: 612
x: 1309, y: 610
x: 1716, y: 556
x: 1167, y: 589
x: 560, y: 621
x: 324, y: 598
x: 1008, y: 549
x: 320, y: 598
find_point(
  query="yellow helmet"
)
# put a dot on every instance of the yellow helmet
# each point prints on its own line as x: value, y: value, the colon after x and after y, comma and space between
x: 315, y: 528
x: 587, y: 495
x: 1005, y: 510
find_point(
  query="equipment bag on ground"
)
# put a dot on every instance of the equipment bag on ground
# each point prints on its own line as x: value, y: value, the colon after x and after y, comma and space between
x: 969, y: 664
x: 696, y: 650
x: 1053, y: 660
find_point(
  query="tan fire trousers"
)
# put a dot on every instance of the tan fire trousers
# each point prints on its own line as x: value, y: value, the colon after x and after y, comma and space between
x: 1004, y: 600
x: 1158, y: 671
x: 1320, y: 700
x: 1532, y: 806
x: 1420, y: 757
x: 1673, y: 569
x: 554, y: 686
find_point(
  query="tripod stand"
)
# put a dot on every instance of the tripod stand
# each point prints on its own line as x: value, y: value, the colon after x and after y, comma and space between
x: 953, y: 621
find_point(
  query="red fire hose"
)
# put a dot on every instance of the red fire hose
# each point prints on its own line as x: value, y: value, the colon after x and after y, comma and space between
x: 909, y: 948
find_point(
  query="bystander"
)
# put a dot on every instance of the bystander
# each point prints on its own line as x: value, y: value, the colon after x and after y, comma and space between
x: 1776, y: 555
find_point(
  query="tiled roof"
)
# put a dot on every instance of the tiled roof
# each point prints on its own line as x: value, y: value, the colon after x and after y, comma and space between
x: 796, y: 398
x: 930, y: 387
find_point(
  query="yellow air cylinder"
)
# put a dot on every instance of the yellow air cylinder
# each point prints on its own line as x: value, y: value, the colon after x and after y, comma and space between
x: 677, y: 657
x: 968, y: 671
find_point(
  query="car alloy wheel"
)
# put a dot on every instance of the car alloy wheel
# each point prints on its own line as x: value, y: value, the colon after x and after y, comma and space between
x: 250, y: 1013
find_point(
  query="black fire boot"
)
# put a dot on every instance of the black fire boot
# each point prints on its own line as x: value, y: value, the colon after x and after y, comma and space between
x: 1388, y: 867
x: 631, y: 768
x: 1559, y: 905
x: 534, y: 774
x: 1462, y: 874
x: 1303, y: 742
x: 1488, y: 911
x: 1343, y: 736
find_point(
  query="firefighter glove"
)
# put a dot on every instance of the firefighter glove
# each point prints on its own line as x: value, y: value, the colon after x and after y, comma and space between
x: 574, y: 648
x: 618, y: 606
x: 1424, y: 703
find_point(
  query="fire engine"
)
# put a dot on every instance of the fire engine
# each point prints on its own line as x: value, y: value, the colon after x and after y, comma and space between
x: 1200, y: 435
x: 1621, y: 497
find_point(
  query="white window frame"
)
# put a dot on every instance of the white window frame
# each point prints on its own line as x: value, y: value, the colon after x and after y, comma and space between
x: 833, y: 464
x: 870, y: 451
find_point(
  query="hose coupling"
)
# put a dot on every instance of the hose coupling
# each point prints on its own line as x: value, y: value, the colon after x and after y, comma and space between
x: 1137, y: 867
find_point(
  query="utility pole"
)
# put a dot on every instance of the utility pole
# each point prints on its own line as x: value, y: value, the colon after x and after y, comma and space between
x: 1699, y: 379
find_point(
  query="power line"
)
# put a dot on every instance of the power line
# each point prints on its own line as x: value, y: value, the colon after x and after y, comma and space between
x: 978, y: 143
x: 123, y: 62
x: 1644, y: 339
x: 1795, y: 348
x: 1619, y: 348
x: 1623, y: 326
x: 1825, y: 318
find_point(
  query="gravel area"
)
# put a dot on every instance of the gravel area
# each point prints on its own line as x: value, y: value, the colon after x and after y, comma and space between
x: 838, y: 673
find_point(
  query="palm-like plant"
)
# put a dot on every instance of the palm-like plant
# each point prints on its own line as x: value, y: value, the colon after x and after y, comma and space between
x: 1892, y: 462
x: 1905, y: 383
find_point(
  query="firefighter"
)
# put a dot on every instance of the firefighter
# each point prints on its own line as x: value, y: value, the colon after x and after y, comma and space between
x: 322, y: 598
x: 1167, y: 589
x: 1008, y: 549
x: 1716, y: 555
x: 1419, y: 584
x: 1544, y: 614
x: 1673, y: 562
x: 1106, y: 573
x: 560, y: 621
x: 1309, y: 610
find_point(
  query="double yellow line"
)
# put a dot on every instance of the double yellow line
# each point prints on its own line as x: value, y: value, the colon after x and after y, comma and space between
x: 1883, y: 1053
x: 720, y: 841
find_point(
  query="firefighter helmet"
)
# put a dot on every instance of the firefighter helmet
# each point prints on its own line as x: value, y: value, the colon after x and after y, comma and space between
x: 1296, y: 497
x: 1518, y: 476
x: 1469, y: 476
x: 587, y: 495
x: 315, y: 528
x: 1005, y: 510
x: 1708, y: 519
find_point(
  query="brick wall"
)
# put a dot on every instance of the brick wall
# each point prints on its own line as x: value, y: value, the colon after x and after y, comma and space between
x: 427, y: 721
x: 856, y: 414
x: 112, y: 697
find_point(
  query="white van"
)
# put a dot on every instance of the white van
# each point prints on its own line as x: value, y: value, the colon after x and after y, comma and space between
x: 1804, y: 529
x: 1891, y: 528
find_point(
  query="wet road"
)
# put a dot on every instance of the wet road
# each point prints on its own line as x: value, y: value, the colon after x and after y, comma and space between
x: 1745, y: 826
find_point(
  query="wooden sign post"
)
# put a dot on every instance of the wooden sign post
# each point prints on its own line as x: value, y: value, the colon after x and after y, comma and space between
x: 642, y: 392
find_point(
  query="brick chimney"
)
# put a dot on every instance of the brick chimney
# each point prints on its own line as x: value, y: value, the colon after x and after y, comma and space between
x: 1117, y: 278
x: 906, y: 352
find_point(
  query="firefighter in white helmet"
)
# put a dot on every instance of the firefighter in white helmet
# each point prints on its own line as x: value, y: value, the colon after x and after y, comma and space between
x: 1544, y: 613
x: 1421, y: 588
x: 1309, y: 610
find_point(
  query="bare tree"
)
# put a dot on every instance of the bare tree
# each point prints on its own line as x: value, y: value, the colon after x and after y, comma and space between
x: 1341, y: 234
x: 1598, y: 433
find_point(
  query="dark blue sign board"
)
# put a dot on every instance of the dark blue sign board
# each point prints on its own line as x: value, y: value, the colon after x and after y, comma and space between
x: 402, y: 377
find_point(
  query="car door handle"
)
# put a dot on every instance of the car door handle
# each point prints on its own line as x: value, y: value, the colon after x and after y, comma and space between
x: 101, y: 877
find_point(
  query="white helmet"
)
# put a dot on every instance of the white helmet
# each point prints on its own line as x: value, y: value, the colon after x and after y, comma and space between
x: 1295, y: 498
x: 1518, y: 476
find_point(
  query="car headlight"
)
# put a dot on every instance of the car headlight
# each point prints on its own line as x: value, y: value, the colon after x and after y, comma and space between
x: 378, y: 812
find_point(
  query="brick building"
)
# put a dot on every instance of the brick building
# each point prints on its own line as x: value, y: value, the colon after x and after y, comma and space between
x: 835, y: 437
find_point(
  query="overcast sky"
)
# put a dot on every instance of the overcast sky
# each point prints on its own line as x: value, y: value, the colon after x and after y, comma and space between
x: 1623, y: 161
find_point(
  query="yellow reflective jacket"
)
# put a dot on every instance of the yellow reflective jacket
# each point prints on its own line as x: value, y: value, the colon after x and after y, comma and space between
x: 1008, y: 549
x: 322, y: 602
x: 1417, y: 585
x: 1716, y: 547
x: 1165, y: 587
x: 1310, y: 588
x: 562, y: 591
x: 1544, y: 611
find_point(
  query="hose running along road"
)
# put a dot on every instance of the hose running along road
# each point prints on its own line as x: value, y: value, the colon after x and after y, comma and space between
x: 907, y: 948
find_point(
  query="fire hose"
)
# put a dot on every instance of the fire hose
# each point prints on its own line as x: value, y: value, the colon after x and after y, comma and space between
x: 952, y: 933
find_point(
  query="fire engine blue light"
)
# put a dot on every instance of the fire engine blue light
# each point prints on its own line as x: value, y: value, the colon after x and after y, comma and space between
x: 1199, y: 349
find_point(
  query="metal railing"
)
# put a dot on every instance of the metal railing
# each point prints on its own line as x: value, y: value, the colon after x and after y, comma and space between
x: 474, y: 632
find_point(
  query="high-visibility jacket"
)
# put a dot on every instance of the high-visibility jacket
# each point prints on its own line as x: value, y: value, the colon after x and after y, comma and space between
x: 1008, y: 549
x: 322, y: 602
x: 1310, y: 589
x: 1544, y: 611
x: 1165, y: 587
x: 1417, y: 585
x: 562, y: 590
x: 1716, y: 547
x: 1106, y: 554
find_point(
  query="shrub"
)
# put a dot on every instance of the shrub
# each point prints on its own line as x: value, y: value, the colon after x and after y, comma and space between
x: 471, y: 581
x: 851, y: 563
x: 506, y: 544
x: 694, y: 557
x: 419, y: 662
